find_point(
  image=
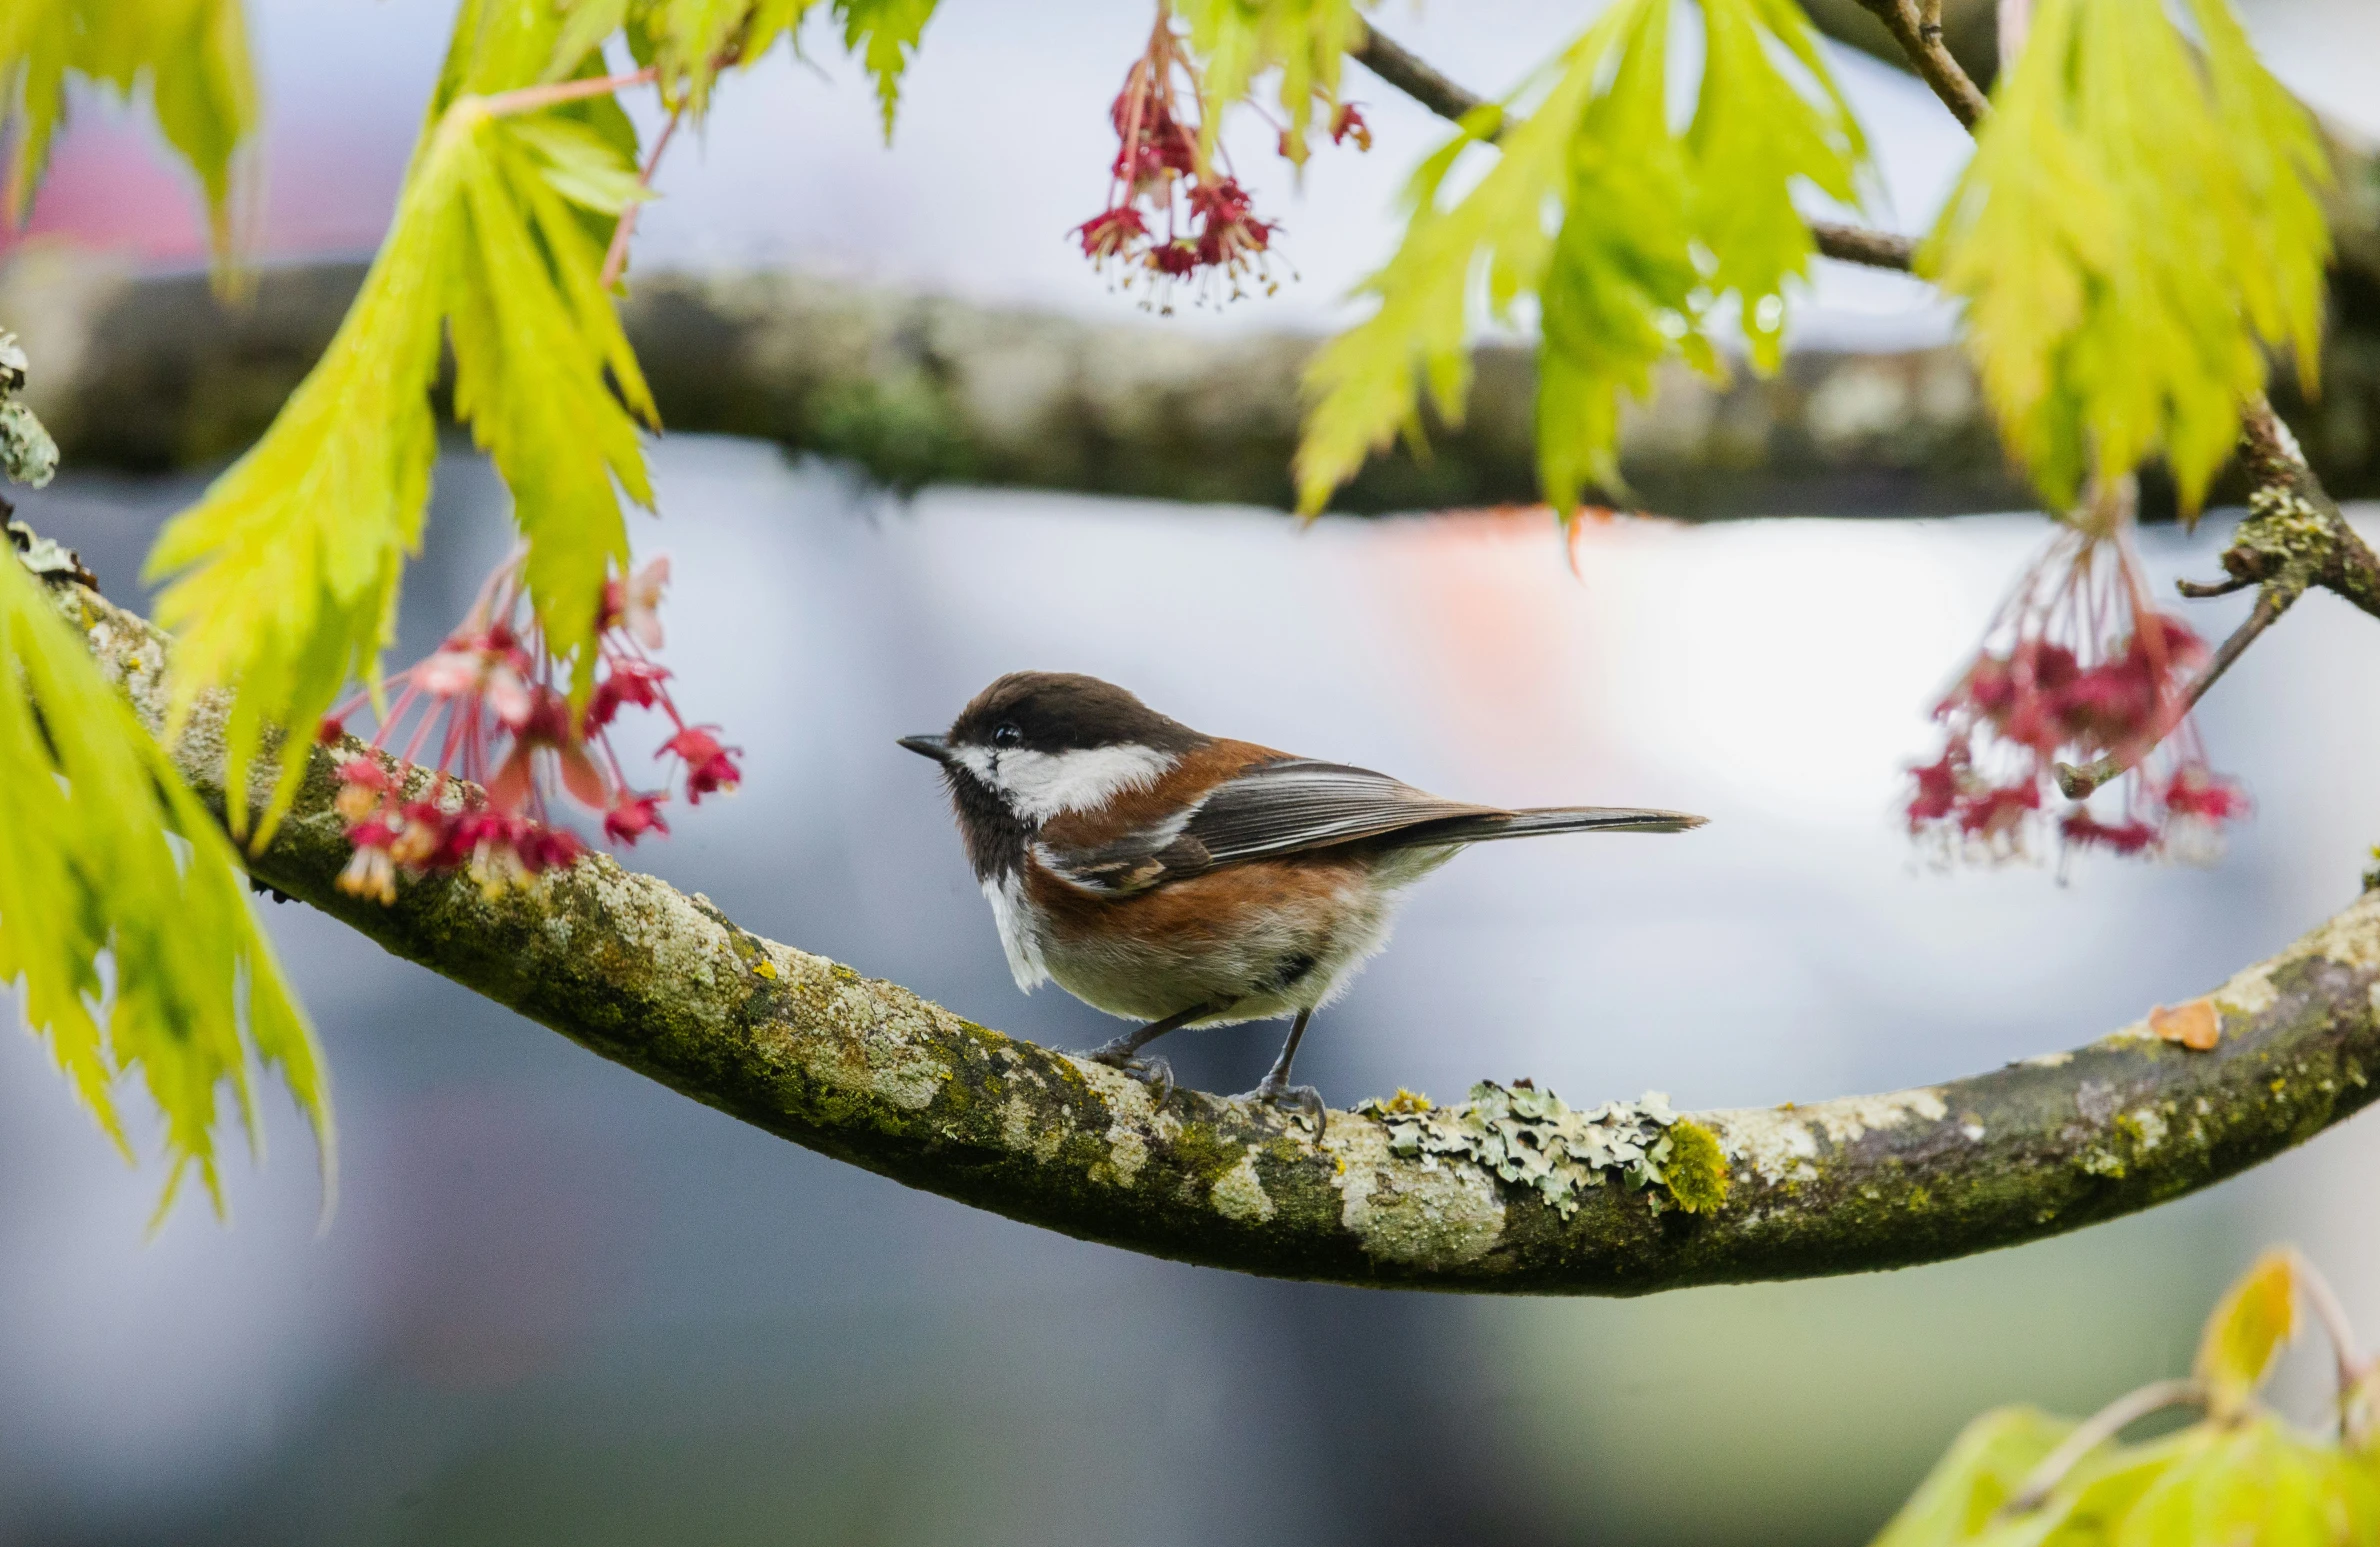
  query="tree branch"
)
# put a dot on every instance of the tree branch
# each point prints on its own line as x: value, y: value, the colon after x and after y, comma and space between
x: 1409, y: 73
x: 2078, y: 783
x: 1970, y: 31
x: 1400, y: 67
x: 867, y: 1072
x: 1920, y: 36
x: 1858, y: 244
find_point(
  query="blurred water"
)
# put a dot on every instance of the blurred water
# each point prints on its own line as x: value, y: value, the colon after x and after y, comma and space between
x: 560, y: 1304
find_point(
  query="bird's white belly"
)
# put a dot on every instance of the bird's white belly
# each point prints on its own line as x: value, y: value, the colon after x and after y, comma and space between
x: 1251, y: 973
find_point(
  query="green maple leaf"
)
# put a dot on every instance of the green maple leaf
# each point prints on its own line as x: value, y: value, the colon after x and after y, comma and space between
x: 2135, y: 228
x: 1626, y: 234
x: 1238, y: 40
x: 106, y: 852
x: 285, y: 574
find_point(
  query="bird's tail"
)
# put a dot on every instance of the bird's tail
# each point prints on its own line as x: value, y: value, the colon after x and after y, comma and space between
x: 1488, y: 826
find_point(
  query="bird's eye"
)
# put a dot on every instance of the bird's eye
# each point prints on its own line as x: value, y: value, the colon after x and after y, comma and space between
x: 1007, y: 734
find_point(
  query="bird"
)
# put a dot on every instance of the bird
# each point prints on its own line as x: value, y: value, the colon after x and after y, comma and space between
x: 1178, y: 879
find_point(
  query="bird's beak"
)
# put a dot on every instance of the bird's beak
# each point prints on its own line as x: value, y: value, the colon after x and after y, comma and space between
x: 934, y: 747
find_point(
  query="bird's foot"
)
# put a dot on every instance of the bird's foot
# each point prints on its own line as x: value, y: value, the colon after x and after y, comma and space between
x: 1302, y: 1100
x: 1155, y: 1073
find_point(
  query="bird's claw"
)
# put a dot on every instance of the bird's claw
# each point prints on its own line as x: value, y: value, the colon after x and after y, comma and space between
x: 1155, y: 1073
x: 1303, y: 1100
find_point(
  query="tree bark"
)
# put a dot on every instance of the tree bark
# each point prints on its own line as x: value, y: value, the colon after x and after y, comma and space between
x: 872, y: 1074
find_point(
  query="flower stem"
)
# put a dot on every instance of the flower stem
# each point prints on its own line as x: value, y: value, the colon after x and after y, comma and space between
x: 615, y: 258
x: 2078, y: 783
x: 2095, y: 1431
x: 528, y: 99
x: 2347, y: 1355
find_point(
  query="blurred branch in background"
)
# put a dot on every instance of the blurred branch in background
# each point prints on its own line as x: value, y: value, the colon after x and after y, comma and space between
x: 871, y: 1074
x: 149, y: 372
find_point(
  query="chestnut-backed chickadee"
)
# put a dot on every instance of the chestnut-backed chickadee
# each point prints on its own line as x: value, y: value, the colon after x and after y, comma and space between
x: 1182, y: 879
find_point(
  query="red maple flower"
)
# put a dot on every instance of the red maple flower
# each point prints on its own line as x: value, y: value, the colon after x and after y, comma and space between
x: 1347, y: 121
x: 2080, y: 830
x: 1109, y: 232
x: 1175, y: 214
x: 709, y: 766
x: 2075, y: 668
x: 632, y: 816
x: 489, y: 710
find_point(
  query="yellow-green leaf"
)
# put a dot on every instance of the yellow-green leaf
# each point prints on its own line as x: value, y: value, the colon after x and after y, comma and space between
x: 1980, y: 1473
x: 2242, y: 1477
x: 1626, y: 233
x: 2135, y: 224
x: 1238, y: 40
x: 2254, y: 1483
x: 1364, y: 387
x: 884, y: 36
x: 2256, y: 1319
x: 106, y: 850
x: 538, y: 354
x: 286, y: 571
x: 1756, y: 137
x: 686, y: 41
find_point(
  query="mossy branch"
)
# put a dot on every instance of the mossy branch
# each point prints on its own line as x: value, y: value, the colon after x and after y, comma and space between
x: 872, y: 1074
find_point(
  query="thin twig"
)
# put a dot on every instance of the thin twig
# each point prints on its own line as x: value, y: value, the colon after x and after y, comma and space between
x: 1858, y: 244
x: 1409, y: 73
x: 615, y: 257
x: 2097, y: 1430
x: 2078, y: 783
x: 2347, y: 1355
x: 528, y: 99
x: 1922, y: 41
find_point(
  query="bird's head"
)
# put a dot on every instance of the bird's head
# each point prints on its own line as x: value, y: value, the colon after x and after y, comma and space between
x: 1041, y: 743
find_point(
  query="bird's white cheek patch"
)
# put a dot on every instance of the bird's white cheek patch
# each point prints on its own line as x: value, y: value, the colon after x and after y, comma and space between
x: 979, y: 761
x: 1040, y: 785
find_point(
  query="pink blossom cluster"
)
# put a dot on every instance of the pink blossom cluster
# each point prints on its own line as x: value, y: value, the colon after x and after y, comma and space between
x: 508, y: 746
x: 2076, y: 667
x: 1172, y: 215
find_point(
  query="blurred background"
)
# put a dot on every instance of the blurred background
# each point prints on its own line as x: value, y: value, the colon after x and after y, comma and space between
x: 558, y: 1304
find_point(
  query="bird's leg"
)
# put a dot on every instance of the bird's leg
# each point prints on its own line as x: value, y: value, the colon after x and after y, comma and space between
x: 1124, y: 1052
x: 1275, y: 1089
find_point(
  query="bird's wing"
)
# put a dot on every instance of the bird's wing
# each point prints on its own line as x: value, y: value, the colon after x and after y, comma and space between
x: 1272, y: 808
x: 1296, y: 804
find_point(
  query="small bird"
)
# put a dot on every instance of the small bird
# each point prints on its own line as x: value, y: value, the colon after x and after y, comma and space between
x: 1181, y: 879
